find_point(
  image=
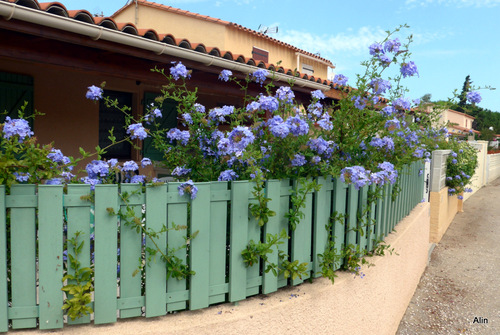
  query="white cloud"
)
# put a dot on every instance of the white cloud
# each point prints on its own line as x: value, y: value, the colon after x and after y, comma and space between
x: 455, y: 3
x: 355, y: 42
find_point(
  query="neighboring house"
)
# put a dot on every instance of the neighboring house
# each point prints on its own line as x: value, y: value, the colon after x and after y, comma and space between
x: 227, y: 36
x: 458, y: 124
x: 50, y: 55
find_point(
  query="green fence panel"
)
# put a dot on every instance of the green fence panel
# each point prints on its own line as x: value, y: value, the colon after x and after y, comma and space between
x: 269, y: 280
x: 106, y: 244
x: 218, y: 234
x: 78, y: 209
x: 238, y: 240
x: 285, y: 191
x: 363, y: 222
x: 339, y: 224
x: 254, y: 278
x: 302, y: 235
x: 199, y: 249
x: 177, y: 215
x: 156, y: 271
x: 50, y: 255
x: 4, y: 320
x: 130, y: 302
x: 321, y: 227
x: 370, y: 233
x: 23, y: 255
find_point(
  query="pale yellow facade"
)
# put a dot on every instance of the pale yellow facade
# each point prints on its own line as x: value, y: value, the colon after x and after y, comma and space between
x: 221, y: 34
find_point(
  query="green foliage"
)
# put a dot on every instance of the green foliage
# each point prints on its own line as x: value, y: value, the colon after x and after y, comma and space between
x: 298, y: 200
x: 79, y: 286
x: 260, y: 211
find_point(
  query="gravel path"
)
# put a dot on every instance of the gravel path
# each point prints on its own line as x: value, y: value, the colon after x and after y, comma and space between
x: 459, y: 292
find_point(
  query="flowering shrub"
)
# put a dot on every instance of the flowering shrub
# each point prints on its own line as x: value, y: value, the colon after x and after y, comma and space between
x: 461, y: 166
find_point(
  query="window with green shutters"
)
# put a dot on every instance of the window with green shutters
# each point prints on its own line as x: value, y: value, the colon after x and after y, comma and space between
x: 15, y: 91
x: 167, y: 121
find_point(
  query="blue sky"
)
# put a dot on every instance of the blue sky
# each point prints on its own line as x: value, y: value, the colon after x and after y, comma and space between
x: 452, y: 38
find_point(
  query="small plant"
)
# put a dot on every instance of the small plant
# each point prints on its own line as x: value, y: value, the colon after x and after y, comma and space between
x: 79, y: 284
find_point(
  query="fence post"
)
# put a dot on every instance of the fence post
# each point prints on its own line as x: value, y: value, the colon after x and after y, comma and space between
x: 438, y: 169
x: 4, y: 321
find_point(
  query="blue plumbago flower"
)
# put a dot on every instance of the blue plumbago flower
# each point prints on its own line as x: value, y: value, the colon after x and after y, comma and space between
x: 298, y: 160
x: 18, y: 127
x: 96, y: 169
x: 375, y: 49
x: 315, y: 109
x: 155, y: 113
x: 297, y: 125
x: 219, y: 114
x: 130, y: 166
x: 451, y: 190
x: 468, y: 190
x: 199, y: 108
x: 392, y: 45
x: 67, y: 175
x: 392, y: 124
x: 325, y: 122
x: 449, y: 178
x: 416, y: 102
x: 94, y: 93
x: 187, y: 117
x: 239, y: 138
x: 420, y: 172
x: 460, y: 151
x: 409, y: 69
x: 454, y: 161
x: 227, y: 175
x: 318, y: 94
x: 384, y: 59
x: 56, y: 156
x: 340, y: 79
x: 474, y: 97
x: 145, y: 162
x: 401, y: 103
x: 379, y: 86
x: 180, y: 171
x: 137, y: 131
x: 54, y: 181
x: 322, y: 146
x: 285, y: 94
x: 359, y: 102
x: 91, y: 181
x: 179, y: 135
x: 277, y: 127
x: 22, y: 176
x: 112, y: 162
x: 188, y: 187
x: 268, y: 103
x: 419, y: 153
x: 225, y: 75
x: 460, y: 197
x: 388, y: 111
x: 253, y: 106
x: 179, y: 71
x: 138, y: 179
x: 381, y: 143
x: 315, y: 159
x: 224, y: 146
x: 356, y: 175
x: 458, y: 177
x: 259, y: 76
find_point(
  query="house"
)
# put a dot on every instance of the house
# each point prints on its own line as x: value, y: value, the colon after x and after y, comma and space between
x: 50, y: 55
x: 457, y: 123
x: 240, y: 40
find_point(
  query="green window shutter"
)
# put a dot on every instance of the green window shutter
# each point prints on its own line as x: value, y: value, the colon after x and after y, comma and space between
x: 167, y: 121
x: 15, y: 90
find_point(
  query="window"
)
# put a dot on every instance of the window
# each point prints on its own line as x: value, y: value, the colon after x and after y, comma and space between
x: 260, y: 55
x: 111, y: 117
x: 15, y: 91
x: 307, y: 69
x: 167, y: 121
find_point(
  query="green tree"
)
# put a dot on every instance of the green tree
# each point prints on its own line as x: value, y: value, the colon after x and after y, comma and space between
x: 463, y: 95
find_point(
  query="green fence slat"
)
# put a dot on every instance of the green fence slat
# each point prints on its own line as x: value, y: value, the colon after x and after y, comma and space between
x: 339, y: 225
x: 370, y: 233
x: 379, y: 209
x: 322, y: 209
x: 284, y: 206
x: 363, y: 215
x: 254, y: 233
x: 156, y: 272
x: 352, y: 211
x: 105, y: 276
x: 23, y: 256
x: 269, y: 280
x: 130, y: 251
x: 177, y: 214
x: 50, y: 255
x: 238, y: 239
x: 78, y: 220
x: 387, y: 207
x: 3, y: 264
x: 218, y: 236
x: 200, y: 248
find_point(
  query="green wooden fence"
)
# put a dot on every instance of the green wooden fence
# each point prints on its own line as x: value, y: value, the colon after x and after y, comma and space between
x: 32, y: 221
